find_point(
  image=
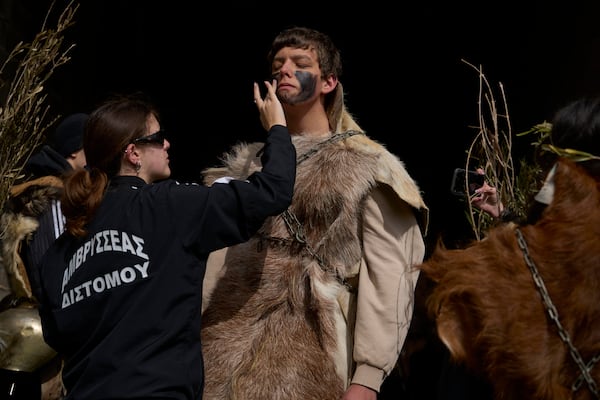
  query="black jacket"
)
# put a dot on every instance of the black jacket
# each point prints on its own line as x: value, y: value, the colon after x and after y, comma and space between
x: 123, y: 304
x: 51, y: 222
x: 37, y: 199
x: 47, y: 161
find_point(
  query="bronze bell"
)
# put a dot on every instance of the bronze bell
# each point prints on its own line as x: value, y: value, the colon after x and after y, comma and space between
x: 22, y: 345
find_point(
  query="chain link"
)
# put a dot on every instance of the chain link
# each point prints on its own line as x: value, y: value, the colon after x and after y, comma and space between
x: 553, y: 313
x: 295, y: 227
x: 334, y: 138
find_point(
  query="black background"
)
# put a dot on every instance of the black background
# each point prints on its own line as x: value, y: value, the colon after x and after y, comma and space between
x: 404, y: 75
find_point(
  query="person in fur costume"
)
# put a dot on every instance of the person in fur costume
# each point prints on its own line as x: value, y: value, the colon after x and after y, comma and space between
x: 30, y: 222
x: 317, y: 305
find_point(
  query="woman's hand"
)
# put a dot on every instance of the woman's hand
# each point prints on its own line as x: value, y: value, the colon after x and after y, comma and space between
x: 486, y: 199
x: 270, y: 109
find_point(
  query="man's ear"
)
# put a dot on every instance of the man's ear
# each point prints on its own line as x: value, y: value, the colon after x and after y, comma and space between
x: 329, y: 84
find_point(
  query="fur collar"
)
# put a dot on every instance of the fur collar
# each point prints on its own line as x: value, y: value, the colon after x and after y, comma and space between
x: 18, y: 221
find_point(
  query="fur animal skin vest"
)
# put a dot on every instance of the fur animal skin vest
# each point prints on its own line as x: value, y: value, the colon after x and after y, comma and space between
x: 274, y: 328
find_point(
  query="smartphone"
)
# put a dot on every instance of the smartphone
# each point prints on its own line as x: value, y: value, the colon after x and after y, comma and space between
x: 459, y: 182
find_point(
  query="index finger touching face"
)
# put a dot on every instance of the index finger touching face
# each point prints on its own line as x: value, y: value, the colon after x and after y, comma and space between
x: 256, y: 92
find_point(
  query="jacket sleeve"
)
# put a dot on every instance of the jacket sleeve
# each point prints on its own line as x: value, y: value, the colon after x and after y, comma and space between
x: 393, y: 245
x: 271, y: 189
x: 237, y: 209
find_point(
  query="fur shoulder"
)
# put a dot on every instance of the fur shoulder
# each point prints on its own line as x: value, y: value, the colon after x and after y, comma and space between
x: 239, y: 163
x: 392, y: 171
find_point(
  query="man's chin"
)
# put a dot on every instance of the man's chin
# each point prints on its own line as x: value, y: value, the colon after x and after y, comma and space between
x: 285, y: 96
x: 288, y: 100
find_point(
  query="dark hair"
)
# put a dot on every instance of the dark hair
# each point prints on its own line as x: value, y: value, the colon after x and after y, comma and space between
x: 109, y: 129
x: 328, y: 56
x: 576, y: 126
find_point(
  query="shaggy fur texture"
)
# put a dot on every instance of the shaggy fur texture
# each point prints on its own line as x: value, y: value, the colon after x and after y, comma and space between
x: 18, y: 222
x: 273, y: 328
x: 490, y: 314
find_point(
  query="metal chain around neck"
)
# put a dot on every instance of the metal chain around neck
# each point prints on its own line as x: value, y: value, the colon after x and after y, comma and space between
x: 553, y: 314
x: 332, y: 139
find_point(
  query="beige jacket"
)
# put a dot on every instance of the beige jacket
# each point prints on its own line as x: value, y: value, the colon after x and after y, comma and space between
x: 392, y: 245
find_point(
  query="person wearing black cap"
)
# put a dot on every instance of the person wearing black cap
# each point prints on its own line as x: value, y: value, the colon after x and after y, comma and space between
x: 63, y: 150
x: 31, y: 220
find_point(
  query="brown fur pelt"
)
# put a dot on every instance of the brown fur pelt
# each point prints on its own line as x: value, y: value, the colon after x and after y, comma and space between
x: 490, y: 314
x: 269, y: 331
x: 273, y: 328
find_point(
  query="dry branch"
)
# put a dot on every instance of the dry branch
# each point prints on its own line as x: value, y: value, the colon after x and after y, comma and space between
x: 24, y: 110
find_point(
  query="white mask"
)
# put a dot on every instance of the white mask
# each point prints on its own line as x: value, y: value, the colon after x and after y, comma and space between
x: 546, y: 193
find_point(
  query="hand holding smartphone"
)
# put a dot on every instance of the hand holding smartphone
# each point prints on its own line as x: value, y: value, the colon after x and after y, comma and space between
x: 461, y: 178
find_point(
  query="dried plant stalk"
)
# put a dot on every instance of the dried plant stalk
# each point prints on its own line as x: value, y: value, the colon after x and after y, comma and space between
x: 24, y: 110
x: 491, y: 150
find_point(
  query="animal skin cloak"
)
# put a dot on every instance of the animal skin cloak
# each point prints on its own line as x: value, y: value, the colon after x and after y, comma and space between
x: 276, y: 323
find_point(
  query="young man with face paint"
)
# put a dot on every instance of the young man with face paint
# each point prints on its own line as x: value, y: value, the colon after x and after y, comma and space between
x: 318, y: 303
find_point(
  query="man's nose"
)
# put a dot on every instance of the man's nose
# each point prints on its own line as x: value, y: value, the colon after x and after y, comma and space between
x: 287, y: 69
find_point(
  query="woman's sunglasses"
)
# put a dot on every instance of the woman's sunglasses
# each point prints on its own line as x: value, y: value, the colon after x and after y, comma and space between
x: 156, y: 137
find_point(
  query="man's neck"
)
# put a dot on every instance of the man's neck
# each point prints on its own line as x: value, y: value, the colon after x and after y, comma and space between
x: 307, y: 120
